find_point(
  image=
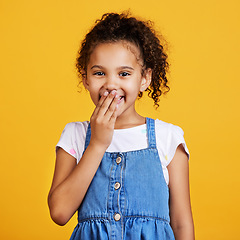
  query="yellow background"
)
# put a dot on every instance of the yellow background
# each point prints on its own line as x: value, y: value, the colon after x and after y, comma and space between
x: 39, y: 95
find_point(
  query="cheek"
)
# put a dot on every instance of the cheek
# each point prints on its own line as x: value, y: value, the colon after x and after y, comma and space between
x: 132, y: 87
x: 94, y: 95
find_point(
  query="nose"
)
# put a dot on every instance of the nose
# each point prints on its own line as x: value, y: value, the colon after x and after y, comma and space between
x: 111, y: 83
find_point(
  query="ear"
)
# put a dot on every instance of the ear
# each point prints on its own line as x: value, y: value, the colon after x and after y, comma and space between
x: 84, y: 79
x: 146, y: 79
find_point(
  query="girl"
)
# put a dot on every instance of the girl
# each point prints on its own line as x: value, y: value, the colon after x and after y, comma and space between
x: 127, y: 175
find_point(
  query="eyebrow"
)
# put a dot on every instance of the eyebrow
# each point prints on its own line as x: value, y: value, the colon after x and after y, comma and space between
x: 126, y: 67
x: 96, y: 66
x: 122, y: 67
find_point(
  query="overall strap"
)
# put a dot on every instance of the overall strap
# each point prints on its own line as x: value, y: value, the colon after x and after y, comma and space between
x: 88, y: 136
x: 151, y: 132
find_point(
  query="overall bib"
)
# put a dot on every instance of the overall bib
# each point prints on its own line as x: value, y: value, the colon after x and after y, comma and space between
x: 128, y: 198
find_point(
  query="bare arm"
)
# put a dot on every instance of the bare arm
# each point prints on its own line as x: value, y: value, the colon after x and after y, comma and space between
x: 71, y: 181
x: 180, y: 206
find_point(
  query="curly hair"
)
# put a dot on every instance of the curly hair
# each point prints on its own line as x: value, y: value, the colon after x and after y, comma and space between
x: 113, y: 27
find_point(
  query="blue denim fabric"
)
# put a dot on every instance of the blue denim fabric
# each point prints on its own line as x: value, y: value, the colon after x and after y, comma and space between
x: 141, y: 200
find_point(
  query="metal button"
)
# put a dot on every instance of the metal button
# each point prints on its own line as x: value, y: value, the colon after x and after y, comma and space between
x: 117, y: 185
x: 118, y: 160
x: 117, y: 217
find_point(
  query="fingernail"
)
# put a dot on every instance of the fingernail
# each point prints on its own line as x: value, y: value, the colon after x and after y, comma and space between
x: 113, y: 92
x: 105, y: 94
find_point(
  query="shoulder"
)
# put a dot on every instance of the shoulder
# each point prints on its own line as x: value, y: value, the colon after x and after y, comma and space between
x: 75, y: 129
x: 164, y: 128
x: 76, y: 126
x: 73, y: 138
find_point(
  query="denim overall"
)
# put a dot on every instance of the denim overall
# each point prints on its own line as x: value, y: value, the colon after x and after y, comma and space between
x: 127, y: 198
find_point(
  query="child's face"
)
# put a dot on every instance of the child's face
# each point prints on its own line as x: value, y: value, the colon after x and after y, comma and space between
x: 116, y: 66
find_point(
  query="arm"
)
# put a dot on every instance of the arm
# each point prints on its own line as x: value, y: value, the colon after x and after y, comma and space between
x: 71, y: 181
x: 180, y: 206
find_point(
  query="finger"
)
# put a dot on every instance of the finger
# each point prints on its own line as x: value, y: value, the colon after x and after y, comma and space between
x: 114, y: 116
x: 107, y: 103
x: 111, y: 109
x: 100, y: 102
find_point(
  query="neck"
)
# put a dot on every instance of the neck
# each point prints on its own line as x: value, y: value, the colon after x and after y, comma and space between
x: 129, y: 121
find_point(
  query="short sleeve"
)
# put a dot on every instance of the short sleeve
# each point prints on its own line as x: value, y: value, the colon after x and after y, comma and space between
x: 168, y: 137
x: 175, y: 138
x: 72, y: 139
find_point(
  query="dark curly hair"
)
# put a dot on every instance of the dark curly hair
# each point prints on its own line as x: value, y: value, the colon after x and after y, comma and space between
x: 113, y: 27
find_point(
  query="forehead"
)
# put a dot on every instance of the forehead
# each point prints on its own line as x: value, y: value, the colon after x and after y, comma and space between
x: 121, y: 52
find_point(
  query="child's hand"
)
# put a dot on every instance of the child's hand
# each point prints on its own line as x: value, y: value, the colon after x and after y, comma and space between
x: 103, y: 120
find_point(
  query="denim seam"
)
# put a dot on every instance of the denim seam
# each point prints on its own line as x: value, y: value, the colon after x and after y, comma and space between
x: 151, y: 217
x: 109, y: 189
x: 124, y: 192
x: 160, y: 166
x: 105, y: 219
x: 121, y: 176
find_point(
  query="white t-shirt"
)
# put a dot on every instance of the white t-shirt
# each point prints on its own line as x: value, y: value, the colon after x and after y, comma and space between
x: 168, y: 138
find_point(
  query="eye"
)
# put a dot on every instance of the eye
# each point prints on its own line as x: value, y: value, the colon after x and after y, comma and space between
x: 124, y: 74
x: 99, y: 73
